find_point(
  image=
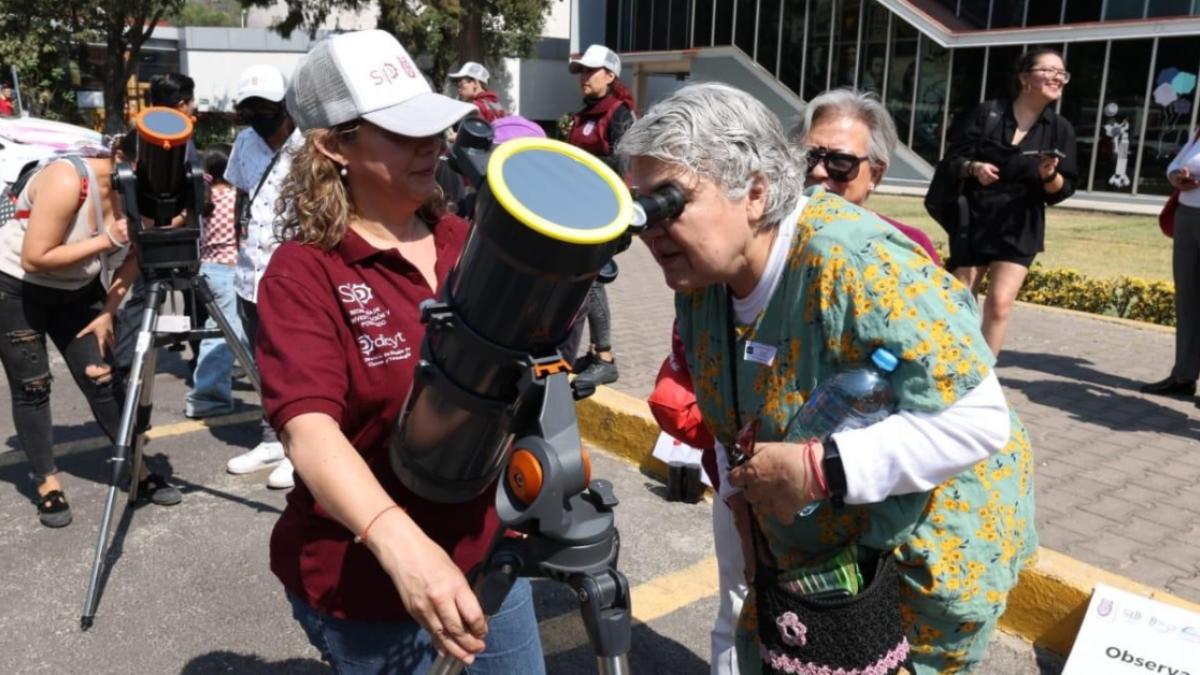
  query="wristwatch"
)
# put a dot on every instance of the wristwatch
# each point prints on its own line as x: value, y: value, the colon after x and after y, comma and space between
x: 835, y: 473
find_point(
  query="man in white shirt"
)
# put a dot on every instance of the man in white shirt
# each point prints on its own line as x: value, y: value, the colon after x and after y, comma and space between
x: 257, y: 166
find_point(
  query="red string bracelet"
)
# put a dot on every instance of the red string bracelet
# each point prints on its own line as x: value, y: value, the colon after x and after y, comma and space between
x: 815, y: 470
x: 362, y: 538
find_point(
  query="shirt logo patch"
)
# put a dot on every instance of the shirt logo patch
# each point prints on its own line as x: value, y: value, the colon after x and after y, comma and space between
x: 359, y: 294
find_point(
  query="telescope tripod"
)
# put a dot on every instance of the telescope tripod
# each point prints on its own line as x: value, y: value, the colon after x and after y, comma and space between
x: 139, y: 398
x: 554, y: 531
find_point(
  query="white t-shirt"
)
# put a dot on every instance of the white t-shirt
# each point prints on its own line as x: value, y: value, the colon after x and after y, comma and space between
x: 248, y: 160
x: 262, y: 230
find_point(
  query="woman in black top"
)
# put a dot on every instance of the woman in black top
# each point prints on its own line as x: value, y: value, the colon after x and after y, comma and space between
x: 1016, y: 156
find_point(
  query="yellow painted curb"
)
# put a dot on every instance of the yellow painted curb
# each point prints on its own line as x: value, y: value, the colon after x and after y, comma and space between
x: 1046, y: 607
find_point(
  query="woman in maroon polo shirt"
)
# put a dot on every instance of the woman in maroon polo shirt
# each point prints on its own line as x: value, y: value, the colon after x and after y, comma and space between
x: 375, y: 575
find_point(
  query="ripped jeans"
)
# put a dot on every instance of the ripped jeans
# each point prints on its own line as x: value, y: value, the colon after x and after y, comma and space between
x: 30, y: 313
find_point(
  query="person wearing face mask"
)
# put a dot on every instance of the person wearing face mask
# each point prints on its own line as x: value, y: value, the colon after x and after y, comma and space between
x: 257, y: 166
x: 1016, y: 157
x: 608, y: 111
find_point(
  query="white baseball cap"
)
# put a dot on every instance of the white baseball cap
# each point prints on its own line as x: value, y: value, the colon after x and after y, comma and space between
x: 472, y: 70
x: 597, y: 56
x: 261, y: 81
x: 367, y: 74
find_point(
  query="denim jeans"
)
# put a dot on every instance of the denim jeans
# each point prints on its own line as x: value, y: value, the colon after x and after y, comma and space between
x: 28, y: 315
x: 212, y: 390
x: 374, y: 647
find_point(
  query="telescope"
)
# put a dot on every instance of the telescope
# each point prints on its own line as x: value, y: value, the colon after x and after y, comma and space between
x: 160, y: 188
x: 491, y: 401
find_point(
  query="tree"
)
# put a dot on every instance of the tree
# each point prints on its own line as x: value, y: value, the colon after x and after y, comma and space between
x: 439, y: 33
x: 32, y: 39
x: 225, y: 13
x: 125, y: 25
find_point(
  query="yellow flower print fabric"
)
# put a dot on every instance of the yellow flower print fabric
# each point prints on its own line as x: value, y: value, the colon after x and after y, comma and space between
x: 853, y: 283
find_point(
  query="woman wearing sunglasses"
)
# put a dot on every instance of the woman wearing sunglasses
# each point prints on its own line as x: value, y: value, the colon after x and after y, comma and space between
x: 847, y: 138
x: 776, y: 291
x: 1016, y: 156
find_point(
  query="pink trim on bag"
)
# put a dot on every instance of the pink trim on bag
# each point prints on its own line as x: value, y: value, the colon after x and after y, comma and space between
x: 787, y: 664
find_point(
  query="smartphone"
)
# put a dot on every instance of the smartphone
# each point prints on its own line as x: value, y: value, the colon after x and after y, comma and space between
x: 1045, y: 153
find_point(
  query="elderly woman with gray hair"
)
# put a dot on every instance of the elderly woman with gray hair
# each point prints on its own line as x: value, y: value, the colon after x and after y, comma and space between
x: 777, y: 290
x: 839, y: 132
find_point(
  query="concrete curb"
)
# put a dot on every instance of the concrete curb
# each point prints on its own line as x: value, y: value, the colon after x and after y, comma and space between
x: 1046, y: 607
x: 1128, y: 323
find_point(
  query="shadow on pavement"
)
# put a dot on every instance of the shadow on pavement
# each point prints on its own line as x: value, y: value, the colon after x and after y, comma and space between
x: 649, y: 652
x: 188, y: 487
x: 1048, y: 663
x: 249, y: 664
x: 1096, y: 397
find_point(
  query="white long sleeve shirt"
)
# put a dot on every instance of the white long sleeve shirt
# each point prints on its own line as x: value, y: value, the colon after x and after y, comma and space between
x: 1188, y: 158
x: 909, y: 451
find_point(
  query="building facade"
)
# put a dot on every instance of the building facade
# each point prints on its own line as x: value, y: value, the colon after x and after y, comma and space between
x: 1133, y: 97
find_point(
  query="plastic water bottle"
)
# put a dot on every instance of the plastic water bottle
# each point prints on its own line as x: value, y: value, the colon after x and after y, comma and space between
x: 852, y: 399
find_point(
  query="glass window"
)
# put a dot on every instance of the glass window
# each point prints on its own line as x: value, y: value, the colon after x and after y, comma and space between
x: 1044, y: 13
x: 1008, y: 14
x: 747, y: 18
x: 724, y: 22
x: 628, y: 20
x: 1082, y: 10
x: 931, y: 100
x: 965, y: 82
x: 1081, y: 99
x: 768, y: 35
x: 679, y: 22
x: 845, y: 43
x: 793, y: 44
x: 874, y: 45
x: 612, y: 28
x: 643, y: 15
x: 1171, y: 101
x: 703, y: 26
x: 1128, y: 68
x: 816, y: 64
x: 1124, y: 9
x: 661, y: 22
x: 901, y: 74
x: 1169, y: 8
x: 975, y: 12
x: 1001, y: 61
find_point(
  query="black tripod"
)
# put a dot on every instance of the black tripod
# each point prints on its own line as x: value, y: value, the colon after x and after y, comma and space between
x: 557, y: 523
x: 169, y: 261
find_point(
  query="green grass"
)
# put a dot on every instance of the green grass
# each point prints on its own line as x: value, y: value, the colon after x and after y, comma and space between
x: 1099, y: 245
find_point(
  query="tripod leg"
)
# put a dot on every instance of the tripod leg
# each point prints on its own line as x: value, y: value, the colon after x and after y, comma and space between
x: 125, y: 441
x: 142, y: 420
x: 205, y: 295
x: 604, y: 604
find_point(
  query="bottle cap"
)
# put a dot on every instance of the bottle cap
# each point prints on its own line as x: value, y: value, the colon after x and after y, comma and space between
x: 884, y: 360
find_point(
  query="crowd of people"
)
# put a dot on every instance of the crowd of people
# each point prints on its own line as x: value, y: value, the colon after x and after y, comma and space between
x: 331, y: 219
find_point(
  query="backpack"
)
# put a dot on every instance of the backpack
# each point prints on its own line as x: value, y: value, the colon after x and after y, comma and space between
x: 12, y: 193
x: 944, y: 199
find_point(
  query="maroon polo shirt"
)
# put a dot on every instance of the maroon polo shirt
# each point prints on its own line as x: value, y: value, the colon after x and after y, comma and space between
x: 340, y: 334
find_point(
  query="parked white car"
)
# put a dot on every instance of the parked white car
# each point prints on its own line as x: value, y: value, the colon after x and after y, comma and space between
x: 25, y: 141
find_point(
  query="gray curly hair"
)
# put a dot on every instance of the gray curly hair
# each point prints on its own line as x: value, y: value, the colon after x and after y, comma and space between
x: 721, y: 133
x: 864, y: 106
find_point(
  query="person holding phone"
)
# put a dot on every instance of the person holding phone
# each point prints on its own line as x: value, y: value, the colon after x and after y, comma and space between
x: 1016, y: 156
x: 1184, y: 174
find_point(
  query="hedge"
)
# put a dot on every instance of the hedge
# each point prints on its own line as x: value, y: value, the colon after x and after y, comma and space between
x: 1123, y: 296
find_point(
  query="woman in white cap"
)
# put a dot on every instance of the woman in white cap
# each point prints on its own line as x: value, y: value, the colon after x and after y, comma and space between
x: 608, y: 111
x: 472, y: 80
x: 374, y: 574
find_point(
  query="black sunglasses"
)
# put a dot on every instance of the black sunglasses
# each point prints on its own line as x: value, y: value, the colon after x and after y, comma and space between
x: 841, y: 166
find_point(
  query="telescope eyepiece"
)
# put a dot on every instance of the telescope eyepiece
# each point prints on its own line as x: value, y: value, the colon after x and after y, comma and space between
x: 660, y: 205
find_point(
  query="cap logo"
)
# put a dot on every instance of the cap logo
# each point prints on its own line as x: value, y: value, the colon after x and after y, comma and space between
x: 389, y: 72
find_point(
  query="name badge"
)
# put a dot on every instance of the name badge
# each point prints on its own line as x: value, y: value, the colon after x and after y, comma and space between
x: 759, y: 353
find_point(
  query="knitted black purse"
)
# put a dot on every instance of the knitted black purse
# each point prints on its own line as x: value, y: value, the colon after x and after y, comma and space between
x: 808, y: 635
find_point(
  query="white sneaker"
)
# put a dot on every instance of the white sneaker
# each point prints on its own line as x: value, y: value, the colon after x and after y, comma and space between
x: 281, y: 477
x: 264, y: 455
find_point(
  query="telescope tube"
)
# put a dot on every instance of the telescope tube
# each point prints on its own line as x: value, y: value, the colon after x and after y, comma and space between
x: 548, y: 217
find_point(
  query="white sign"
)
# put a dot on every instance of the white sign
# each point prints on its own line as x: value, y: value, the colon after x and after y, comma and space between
x: 1126, y: 633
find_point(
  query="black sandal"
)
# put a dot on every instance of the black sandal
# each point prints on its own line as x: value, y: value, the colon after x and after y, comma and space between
x: 156, y: 489
x: 53, y: 509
